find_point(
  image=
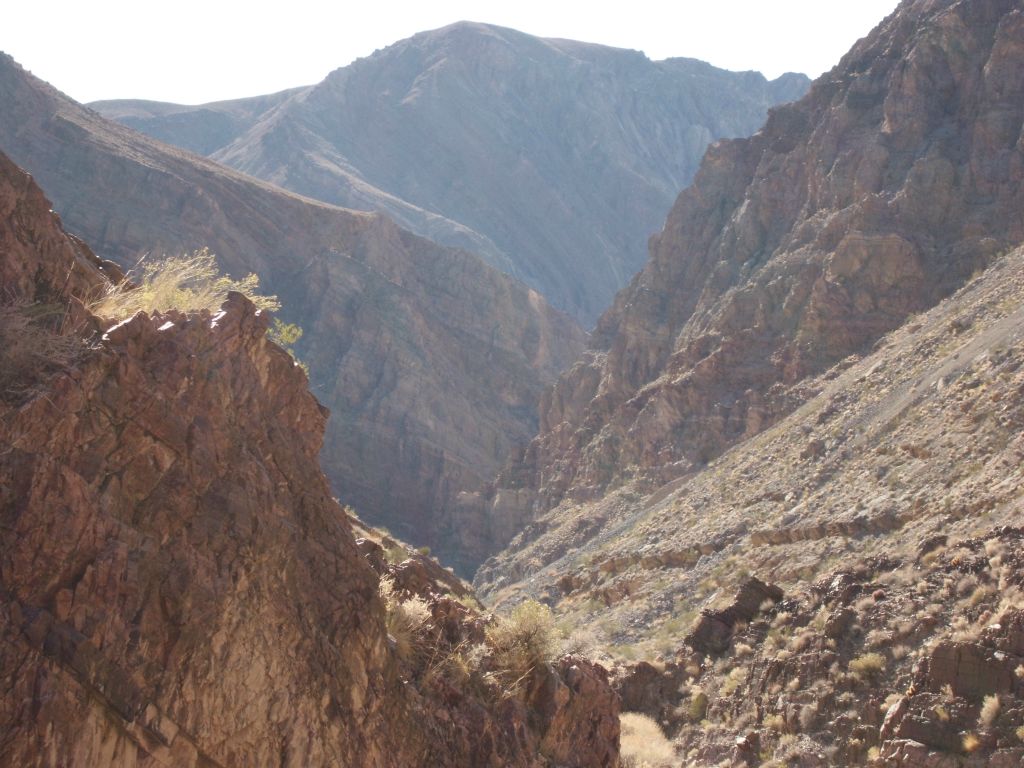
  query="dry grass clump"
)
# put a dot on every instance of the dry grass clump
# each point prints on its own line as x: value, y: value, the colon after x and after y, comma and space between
x: 186, y: 283
x: 970, y: 743
x: 583, y: 641
x: 989, y: 711
x: 407, y: 620
x: 808, y: 717
x: 32, y: 345
x: 522, y: 641
x: 867, y: 666
x: 733, y: 681
x: 643, y: 744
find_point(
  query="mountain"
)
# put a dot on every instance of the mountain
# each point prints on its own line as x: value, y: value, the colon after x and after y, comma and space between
x: 787, y: 471
x: 177, y: 585
x: 431, y: 362
x: 880, y: 192
x: 553, y: 159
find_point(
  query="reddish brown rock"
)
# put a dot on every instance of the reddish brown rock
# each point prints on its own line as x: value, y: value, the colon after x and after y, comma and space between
x: 579, y: 714
x: 971, y: 670
x: 652, y: 689
x: 177, y: 584
x: 713, y: 630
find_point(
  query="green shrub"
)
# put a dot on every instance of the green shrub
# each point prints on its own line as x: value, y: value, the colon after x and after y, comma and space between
x: 286, y: 335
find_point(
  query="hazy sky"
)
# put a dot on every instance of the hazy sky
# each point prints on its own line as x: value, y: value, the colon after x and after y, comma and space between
x: 193, y: 51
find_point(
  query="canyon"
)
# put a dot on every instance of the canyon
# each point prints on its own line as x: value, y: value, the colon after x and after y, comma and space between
x: 771, y: 505
x: 431, y: 361
x: 180, y: 588
x: 552, y: 159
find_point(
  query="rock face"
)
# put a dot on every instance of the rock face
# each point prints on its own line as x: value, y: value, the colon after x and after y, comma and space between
x: 432, y: 362
x: 881, y: 191
x: 178, y: 587
x: 553, y: 159
x: 714, y: 629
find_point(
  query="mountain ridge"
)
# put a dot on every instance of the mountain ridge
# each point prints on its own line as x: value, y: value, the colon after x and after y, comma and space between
x: 851, y: 209
x: 459, y: 135
x: 430, y: 360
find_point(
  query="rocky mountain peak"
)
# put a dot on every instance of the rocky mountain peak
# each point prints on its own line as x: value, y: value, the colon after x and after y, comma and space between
x: 881, y: 191
x: 552, y: 159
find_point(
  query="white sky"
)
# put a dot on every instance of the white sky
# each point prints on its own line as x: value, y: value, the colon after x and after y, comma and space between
x: 193, y: 51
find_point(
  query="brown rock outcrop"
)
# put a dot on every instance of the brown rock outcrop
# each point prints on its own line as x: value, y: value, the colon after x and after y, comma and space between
x: 928, y: 726
x: 878, y: 193
x: 177, y: 585
x: 713, y: 630
x: 431, y: 361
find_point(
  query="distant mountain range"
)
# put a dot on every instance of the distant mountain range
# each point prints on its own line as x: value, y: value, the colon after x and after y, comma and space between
x: 552, y: 159
x: 431, y: 361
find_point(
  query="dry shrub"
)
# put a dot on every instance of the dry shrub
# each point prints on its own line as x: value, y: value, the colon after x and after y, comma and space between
x: 981, y: 594
x: 971, y: 743
x: 643, y: 744
x: 407, y: 620
x: 186, y: 283
x: 733, y: 681
x: 583, y: 641
x: 808, y: 717
x: 32, y: 346
x: 989, y: 711
x: 522, y: 641
x: 868, y: 665
x: 890, y: 701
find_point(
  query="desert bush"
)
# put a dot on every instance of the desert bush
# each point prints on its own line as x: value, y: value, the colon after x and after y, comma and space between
x: 396, y: 554
x: 989, y: 711
x: 32, y: 346
x: 406, y: 620
x: 970, y: 743
x: 522, y: 641
x: 697, y: 707
x: 733, y: 681
x: 286, y: 336
x: 868, y: 665
x: 808, y: 717
x: 643, y: 744
x: 582, y: 641
x: 187, y: 283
